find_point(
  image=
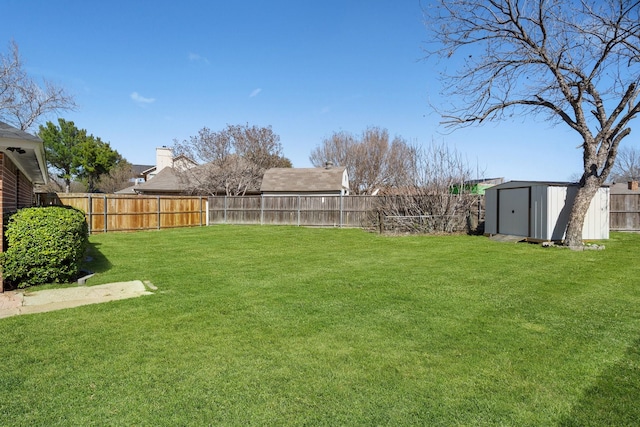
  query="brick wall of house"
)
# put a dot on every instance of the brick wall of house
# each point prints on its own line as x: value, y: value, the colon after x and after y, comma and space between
x: 15, y: 189
x: 26, y: 197
x: 16, y: 192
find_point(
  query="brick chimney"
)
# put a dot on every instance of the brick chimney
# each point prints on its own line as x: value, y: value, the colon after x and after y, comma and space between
x: 632, y: 185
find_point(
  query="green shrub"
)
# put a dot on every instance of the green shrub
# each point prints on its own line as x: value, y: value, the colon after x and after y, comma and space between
x: 45, y: 245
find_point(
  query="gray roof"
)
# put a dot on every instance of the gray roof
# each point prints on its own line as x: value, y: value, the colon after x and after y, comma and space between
x: 128, y: 190
x: 523, y: 184
x: 26, y: 151
x: 622, y: 188
x: 303, y: 180
x: 166, y: 181
x: 139, y: 169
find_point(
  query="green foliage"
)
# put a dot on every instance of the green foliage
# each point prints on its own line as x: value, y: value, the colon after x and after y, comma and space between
x: 94, y: 159
x: 60, y: 144
x: 75, y: 154
x: 46, y: 245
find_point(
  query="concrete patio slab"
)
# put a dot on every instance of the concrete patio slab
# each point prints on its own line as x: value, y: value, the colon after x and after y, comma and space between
x: 25, y: 301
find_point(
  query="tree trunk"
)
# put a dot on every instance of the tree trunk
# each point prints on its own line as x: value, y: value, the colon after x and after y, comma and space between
x: 579, y: 208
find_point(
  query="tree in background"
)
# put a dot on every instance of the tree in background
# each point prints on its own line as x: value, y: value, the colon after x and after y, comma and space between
x: 575, y: 62
x: 60, y: 144
x: 72, y: 153
x: 95, y: 158
x: 373, y: 161
x: 233, y: 160
x: 118, y: 178
x: 627, y: 167
x: 24, y: 101
x: 57, y: 185
x: 433, y: 196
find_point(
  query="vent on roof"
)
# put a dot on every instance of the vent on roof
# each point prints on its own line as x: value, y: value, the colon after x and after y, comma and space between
x: 328, y: 165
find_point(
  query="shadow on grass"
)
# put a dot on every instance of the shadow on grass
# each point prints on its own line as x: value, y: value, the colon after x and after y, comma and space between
x: 95, y: 261
x: 613, y: 400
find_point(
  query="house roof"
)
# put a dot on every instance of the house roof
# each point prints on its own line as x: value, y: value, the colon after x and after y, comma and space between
x: 181, y: 161
x: 128, y: 190
x: 138, y: 170
x: 303, y: 179
x: 26, y: 151
x: 166, y: 181
x: 622, y: 188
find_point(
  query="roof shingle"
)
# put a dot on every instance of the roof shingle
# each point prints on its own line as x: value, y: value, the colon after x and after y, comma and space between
x: 303, y: 180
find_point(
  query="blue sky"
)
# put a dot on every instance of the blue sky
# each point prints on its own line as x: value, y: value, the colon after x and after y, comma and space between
x: 145, y: 73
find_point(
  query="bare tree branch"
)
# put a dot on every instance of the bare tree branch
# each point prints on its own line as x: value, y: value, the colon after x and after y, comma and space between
x: 373, y: 160
x: 234, y: 159
x: 577, y: 62
x: 23, y: 101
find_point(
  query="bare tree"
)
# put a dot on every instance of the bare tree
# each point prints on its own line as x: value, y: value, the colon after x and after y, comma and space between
x: 118, y: 178
x: 23, y: 101
x: 373, y: 161
x: 627, y: 167
x: 434, y: 197
x: 234, y: 159
x: 576, y: 62
x: 337, y: 149
x: 57, y: 185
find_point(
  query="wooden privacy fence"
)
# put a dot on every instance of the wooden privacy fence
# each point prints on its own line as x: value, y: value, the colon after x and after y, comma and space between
x: 624, y: 212
x: 310, y: 211
x: 110, y: 212
x: 113, y: 212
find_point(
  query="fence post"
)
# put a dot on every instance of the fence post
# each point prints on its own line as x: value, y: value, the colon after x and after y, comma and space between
x: 206, y: 207
x: 106, y: 215
x: 159, y: 214
x: 89, y: 212
x: 262, y: 209
x: 341, y: 209
x: 225, y: 208
x: 298, y: 210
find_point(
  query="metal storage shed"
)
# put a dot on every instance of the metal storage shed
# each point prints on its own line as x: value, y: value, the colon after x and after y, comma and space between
x: 539, y: 211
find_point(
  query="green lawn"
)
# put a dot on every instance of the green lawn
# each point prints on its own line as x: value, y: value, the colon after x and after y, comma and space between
x: 295, y: 326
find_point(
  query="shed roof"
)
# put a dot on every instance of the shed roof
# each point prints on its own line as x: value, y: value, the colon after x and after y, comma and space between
x: 521, y: 184
x: 26, y: 151
x: 303, y: 179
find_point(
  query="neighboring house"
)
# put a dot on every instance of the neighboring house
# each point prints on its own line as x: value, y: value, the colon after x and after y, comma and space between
x: 22, y: 165
x: 630, y: 187
x: 539, y: 211
x: 327, y: 181
x: 164, y: 183
x: 172, y: 182
x: 169, y: 185
x: 165, y: 159
x: 166, y: 179
x: 139, y: 175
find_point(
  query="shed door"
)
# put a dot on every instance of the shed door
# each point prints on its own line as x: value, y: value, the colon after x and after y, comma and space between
x: 513, y: 211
